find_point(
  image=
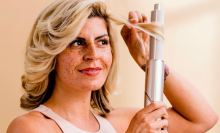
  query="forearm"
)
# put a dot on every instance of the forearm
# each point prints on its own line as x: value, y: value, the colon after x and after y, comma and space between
x: 187, y: 100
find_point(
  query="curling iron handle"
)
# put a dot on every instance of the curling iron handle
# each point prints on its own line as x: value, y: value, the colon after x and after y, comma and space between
x: 154, y: 81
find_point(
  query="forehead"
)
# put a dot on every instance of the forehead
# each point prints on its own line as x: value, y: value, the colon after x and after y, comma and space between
x: 94, y: 26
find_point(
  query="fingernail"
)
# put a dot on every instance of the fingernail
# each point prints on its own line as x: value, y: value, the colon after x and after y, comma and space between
x: 145, y: 21
x: 133, y: 19
x: 129, y: 26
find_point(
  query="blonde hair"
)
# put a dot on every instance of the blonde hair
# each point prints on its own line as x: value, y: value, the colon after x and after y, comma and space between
x: 52, y: 32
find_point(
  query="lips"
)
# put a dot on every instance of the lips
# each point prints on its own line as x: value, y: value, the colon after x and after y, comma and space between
x: 91, y: 71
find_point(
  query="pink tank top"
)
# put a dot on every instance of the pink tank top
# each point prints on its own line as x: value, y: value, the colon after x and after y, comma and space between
x: 67, y: 127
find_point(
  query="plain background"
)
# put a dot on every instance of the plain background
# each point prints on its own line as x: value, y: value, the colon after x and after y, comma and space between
x: 192, y: 47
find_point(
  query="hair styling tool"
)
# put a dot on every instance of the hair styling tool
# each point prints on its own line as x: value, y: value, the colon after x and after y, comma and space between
x: 155, y: 65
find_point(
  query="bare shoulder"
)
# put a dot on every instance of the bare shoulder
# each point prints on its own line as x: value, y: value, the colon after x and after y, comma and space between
x: 120, y: 118
x: 33, y: 122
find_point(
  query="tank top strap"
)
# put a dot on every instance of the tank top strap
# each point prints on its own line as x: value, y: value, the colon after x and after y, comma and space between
x: 67, y: 127
x: 105, y: 126
x: 64, y: 125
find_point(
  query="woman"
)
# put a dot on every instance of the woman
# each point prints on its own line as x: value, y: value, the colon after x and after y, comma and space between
x: 71, y: 68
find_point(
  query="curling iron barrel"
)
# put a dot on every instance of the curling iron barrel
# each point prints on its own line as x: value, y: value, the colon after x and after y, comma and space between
x: 155, y: 65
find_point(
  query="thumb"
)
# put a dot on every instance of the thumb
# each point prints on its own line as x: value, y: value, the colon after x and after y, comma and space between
x: 133, y: 33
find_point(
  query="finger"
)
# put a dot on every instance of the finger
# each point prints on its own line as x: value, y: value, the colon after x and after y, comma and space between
x: 128, y: 26
x: 163, y: 131
x: 133, y: 17
x: 153, y: 106
x: 155, y: 115
x: 144, y: 17
x: 157, y: 125
x: 162, y: 124
x: 165, y: 128
x: 139, y: 16
x: 128, y: 33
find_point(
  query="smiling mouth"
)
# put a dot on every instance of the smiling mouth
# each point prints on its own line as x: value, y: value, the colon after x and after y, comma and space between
x: 91, y: 71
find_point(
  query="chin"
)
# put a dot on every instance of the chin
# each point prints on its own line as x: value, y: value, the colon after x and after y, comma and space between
x: 94, y: 84
x: 95, y: 87
x: 91, y: 86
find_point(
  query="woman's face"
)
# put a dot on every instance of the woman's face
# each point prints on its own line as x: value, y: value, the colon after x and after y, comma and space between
x: 85, y: 63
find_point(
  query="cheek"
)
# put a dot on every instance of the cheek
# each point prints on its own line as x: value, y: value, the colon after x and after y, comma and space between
x: 66, y: 62
x: 63, y: 61
x: 107, y: 57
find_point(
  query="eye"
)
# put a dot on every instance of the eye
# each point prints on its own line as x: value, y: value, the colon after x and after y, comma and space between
x: 77, y: 43
x: 103, y: 42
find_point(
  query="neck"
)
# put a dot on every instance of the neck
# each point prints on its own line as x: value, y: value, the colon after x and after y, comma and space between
x: 70, y: 103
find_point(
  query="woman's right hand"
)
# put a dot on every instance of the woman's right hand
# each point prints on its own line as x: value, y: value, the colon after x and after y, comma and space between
x: 146, y: 120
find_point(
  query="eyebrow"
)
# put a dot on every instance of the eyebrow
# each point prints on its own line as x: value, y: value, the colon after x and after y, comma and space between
x: 83, y: 39
x: 101, y: 36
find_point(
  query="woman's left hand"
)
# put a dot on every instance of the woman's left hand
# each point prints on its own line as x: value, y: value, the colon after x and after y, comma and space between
x: 136, y: 40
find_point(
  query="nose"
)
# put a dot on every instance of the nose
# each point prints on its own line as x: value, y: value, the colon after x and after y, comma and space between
x: 91, y: 53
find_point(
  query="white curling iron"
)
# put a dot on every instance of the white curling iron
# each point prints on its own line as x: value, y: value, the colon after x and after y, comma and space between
x: 155, y: 65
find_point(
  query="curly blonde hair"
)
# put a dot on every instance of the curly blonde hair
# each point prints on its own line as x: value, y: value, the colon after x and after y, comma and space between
x: 52, y: 32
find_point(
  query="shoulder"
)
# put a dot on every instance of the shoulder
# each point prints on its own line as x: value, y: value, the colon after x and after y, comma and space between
x: 32, y: 122
x: 120, y: 118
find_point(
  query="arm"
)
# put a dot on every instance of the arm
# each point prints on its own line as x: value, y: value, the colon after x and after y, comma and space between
x: 190, y: 111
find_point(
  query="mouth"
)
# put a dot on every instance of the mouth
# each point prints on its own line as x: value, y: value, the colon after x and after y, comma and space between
x: 91, y: 71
